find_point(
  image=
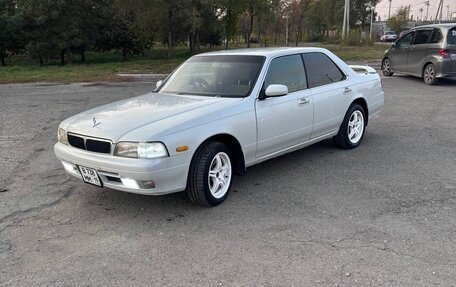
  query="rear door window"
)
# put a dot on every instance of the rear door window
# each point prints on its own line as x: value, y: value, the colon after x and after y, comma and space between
x: 422, y: 37
x: 321, y: 70
x: 436, y: 36
x: 452, y: 36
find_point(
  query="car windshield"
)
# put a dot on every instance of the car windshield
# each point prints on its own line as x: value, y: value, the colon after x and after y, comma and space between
x: 390, y: 33
x: 224, y: 76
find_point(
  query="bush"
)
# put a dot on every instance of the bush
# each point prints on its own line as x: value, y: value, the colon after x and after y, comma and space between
x: 354, y: 39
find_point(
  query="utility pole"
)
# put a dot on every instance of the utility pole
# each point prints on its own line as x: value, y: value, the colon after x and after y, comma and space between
x: 346, y: 25
x: 448, y: 12
x: 421, y: 14
x: 389, y: 11
x: 410, y: 12
x: 427, y: 9
x: 439, y: 11
x: 371, y: 9
x: 286, y: 31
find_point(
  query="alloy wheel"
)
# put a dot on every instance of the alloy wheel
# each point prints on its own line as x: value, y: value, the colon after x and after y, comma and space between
x: 429, y: 74
x: 355, y: 126
x: 220, y: 173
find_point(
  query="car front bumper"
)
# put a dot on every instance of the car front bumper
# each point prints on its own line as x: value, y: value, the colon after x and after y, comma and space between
x: 161, y: 176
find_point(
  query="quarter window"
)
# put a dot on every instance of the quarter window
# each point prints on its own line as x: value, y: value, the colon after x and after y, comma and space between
x: 288, y: 71
x: 452, y: 36
x: 422, y: 37
x: 321, y: 70
x: 436, y: 36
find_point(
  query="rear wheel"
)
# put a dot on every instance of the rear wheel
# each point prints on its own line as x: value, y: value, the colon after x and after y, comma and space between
x: 429, y: 75
x: 386, y: 68
x: 210, y: 175
x: 351, y: 131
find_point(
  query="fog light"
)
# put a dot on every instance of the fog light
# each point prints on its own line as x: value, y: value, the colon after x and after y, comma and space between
x: 146, y: 184
x: 71, y: 168
x: 130, y: 183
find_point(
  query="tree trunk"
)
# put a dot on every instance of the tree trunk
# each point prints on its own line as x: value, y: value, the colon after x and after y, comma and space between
x: 62, y: 57
x: 197, y: 43
x: 299, y: 32
x: 124, y: 53
x: 250, y: 28
x: 2, y: 57
x: 41, y: 61
x: 82, y: 56
x: 170, y: 31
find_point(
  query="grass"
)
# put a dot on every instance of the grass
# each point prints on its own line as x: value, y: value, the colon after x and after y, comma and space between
x: 363, y: 53
x: 106, y: 66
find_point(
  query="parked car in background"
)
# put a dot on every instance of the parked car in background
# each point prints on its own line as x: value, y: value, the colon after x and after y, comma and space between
x: 389, y: 36
x: 216, y: 115
x: 428, y: 52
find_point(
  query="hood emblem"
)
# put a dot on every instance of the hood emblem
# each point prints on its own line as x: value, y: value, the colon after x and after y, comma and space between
x: 95, y: 123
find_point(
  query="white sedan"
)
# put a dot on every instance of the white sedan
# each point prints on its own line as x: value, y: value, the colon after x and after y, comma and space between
x: 216, y: 115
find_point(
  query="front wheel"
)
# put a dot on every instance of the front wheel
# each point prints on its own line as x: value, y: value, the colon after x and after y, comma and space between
x: 210, y: 175
x: 386, y: 68
x: 351, y: 131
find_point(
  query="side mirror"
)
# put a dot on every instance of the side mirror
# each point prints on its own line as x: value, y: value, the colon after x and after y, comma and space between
x: 394, y: 45
x: 276, y: 90
x: 158, y: 84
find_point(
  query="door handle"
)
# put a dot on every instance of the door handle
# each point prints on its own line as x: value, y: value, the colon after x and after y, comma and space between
x: 303, y: 101
x: 347, y: 90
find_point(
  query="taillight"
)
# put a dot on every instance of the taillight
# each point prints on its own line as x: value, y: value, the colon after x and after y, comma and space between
x: 444, y: 53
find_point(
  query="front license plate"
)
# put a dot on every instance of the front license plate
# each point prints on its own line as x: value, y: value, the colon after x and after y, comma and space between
x: 90, y: 175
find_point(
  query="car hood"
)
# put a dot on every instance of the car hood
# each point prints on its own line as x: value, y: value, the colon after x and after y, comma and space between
x: 114, y: 120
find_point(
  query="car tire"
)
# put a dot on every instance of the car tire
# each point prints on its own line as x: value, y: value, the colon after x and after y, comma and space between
x: 429, y: 76
x: 351, y: 131
x: 210, y: 175
x: 386, y: 67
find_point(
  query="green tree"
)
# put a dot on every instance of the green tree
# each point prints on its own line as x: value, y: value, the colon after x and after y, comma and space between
x: 10, y: 30
x: 229, y: 11
x: 399, y: 20
x: 358, y: 13
x: 121, y: 29
x: 61, y: 25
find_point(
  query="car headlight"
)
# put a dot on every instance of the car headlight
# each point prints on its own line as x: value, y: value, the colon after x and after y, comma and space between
x: 62, y: 136
x: 141, y: 150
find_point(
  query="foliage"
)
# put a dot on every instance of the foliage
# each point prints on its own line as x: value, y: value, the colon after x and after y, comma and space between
x: 10, y: 30
x: 106, y: 65
x: 398, y: 22
x: 67, y: 29
x: 61, y: 26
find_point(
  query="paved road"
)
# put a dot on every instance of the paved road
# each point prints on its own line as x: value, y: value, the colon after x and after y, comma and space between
x: 380, y: 215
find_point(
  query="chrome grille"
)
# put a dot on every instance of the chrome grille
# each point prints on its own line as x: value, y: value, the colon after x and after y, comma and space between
x: 89, y: 143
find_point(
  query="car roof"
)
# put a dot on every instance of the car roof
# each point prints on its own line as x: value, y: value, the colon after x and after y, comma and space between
x: 266, y: 52
x: 442, y: 25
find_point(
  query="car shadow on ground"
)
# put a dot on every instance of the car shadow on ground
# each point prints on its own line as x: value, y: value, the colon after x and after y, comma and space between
x: 444, y: 82
x: 260, y: 180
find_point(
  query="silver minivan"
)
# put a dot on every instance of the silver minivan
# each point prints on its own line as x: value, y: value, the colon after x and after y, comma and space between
x: 427, y: 51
